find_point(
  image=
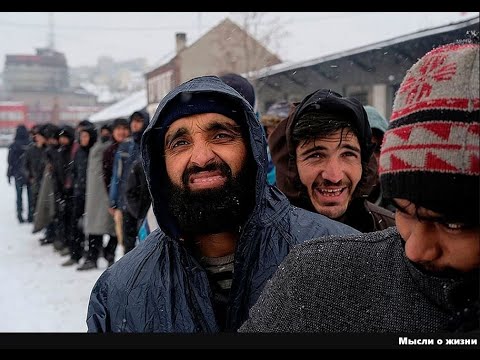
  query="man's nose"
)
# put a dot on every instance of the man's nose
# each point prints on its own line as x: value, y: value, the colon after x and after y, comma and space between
x: 202, y: 154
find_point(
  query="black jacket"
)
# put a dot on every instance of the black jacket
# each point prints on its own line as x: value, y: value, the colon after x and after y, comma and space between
x: 160, y: 286
x: 136, y: 191
x: 16, y: 155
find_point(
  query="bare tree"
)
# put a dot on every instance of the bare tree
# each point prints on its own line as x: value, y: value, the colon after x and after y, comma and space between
x: 267, y: 31
x: 249, y: 46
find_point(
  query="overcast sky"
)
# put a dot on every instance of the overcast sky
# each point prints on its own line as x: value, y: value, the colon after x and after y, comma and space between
x: 84, y: 36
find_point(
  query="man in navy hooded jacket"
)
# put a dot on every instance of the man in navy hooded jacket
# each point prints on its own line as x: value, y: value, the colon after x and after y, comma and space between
x: 223, y: 229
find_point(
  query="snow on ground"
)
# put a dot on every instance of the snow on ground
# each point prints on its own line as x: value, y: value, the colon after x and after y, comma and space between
x: 37, y: 294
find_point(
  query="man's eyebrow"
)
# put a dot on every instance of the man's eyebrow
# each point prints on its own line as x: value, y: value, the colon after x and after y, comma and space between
x: 321, y: 147
x: 351, y: 147
x: 313, y: 149
x: 420, y: 213
x: 179, y: 132
x: 224, y: 126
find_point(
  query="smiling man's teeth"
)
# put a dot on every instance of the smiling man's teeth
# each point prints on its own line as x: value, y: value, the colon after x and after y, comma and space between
x: 208, y: 179
x: 330, y: 192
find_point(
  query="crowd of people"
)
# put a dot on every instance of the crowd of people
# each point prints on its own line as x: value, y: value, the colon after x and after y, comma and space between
x: 317, y: 216
x: 76, y: 181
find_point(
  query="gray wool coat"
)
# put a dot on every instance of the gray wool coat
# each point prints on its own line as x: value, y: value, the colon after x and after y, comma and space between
x: 98, y: 220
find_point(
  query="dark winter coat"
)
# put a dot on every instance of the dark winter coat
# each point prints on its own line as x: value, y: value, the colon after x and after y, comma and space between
x: 127, y: 153
x: 79, y: 178
x: 136, y: 191
x: 80, y: 165
x: 160, y: 286
x: 361, y: 284
x: 16, y: 156
x: 35, y: 159
x: 53, y: 158
x: 108, y: 157
x: 361, y: 215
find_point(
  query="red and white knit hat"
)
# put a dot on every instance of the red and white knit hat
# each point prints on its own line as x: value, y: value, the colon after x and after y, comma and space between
x: 431, y: 153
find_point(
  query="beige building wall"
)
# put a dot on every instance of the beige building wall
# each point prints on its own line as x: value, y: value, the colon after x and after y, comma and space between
x: 226, y: 48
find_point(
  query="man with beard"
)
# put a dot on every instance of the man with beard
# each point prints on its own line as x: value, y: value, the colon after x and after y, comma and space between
x: 223, y: 230
x: 421, y: 276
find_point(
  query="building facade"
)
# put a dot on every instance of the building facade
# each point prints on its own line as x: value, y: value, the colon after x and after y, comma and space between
x: 41, y: 83
x: 225, y: 48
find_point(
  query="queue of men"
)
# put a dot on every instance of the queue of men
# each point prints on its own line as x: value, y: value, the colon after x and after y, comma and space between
x: 74, y: 181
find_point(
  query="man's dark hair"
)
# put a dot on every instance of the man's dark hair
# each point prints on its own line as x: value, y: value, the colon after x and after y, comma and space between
x: 314, y: 125
x: 85, y: 123
x: 106, y: 127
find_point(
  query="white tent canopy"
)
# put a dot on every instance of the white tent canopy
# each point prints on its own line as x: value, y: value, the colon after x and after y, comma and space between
x: 124, y: 108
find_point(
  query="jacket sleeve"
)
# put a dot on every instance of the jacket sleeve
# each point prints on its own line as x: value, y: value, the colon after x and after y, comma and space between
x: 27, y: 165
x: 114, y: 182
x: 98, y: 319
x: 10, y: 161
x: 136, y: 192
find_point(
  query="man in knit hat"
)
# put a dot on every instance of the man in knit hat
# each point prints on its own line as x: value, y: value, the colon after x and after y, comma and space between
x: 222, y: 230
x: 422, y: 275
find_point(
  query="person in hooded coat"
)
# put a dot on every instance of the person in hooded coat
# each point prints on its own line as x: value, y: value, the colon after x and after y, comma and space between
x: 323, y: 158
x: 16, y: 169
x: 218, y: 244
x: 98, y: 221
x: 127, y: 153
x: 87, y: 138
x: 35, y: 159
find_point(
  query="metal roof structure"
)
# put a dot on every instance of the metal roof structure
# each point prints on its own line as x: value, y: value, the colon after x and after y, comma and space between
x: 384, y: 62
x: 123, y: 108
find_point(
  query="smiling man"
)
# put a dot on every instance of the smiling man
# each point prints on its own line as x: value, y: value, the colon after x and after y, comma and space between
x: 322, y: 153
x: 223, y: 230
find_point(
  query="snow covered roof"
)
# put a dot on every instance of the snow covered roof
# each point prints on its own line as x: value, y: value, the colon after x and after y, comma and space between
x: 283, y: 67
x: 123, y: 108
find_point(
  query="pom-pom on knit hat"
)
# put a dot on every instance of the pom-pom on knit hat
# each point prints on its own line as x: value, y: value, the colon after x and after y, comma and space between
x: 430, y: 154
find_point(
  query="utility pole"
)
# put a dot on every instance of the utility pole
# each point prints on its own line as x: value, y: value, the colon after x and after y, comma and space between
x: 199, y: 24
x: 51, y: 33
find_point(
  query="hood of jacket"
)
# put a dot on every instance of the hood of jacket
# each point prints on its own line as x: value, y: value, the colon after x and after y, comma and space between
x: 283, y: 150
x: 93, y: 136
x: 152, y: 143
x: 146, y: 119
x: 22, y: 134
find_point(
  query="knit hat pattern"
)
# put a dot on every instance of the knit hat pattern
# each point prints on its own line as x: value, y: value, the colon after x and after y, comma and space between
x: 430, y: 153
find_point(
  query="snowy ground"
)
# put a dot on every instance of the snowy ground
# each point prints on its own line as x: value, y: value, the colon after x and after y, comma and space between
x: 36, y: 293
